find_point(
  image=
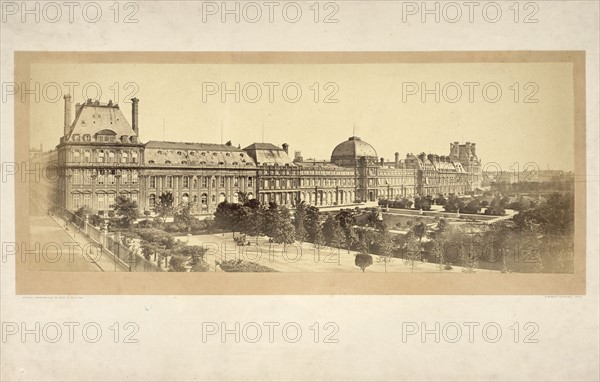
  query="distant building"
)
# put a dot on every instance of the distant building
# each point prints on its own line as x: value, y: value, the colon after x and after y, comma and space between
x: 100, y: 157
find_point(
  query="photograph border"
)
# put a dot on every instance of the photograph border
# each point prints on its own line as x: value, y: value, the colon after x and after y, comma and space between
x: 318, y: 283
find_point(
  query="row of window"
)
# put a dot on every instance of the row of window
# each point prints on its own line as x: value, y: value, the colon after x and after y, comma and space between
x: 186, y: 181
x: 103, y: 177
x: 110, y: 138
x: 104, y: 156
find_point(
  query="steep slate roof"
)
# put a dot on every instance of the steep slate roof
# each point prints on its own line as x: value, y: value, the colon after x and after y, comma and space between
x: 268, y: 153
x: 190, y: 146
x: 93, y: 117
x: 194, y: 154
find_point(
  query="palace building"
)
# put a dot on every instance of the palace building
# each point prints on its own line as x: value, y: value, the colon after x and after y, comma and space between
x: 100, y: 156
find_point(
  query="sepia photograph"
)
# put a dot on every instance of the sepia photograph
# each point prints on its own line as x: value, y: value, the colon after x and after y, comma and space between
x: 306, y: 163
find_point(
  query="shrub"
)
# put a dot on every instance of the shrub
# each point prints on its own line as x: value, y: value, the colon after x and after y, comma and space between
x: 243, y: 266
x: 177, y: 263
x: 363, y: 260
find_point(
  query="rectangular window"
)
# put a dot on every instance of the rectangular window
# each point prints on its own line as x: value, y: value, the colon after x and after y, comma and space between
x: 250, y: 182
x: 204, y: 181
x: 87, y: 200
x: 134, y: 177
x: 235, y: 181
x: 111, y: 178
x: 125, y: 177
x: 101, y: 178
x: 76, y: 178
x: 87, y: 177
x: 221, y: 181
x: 169, y: 182
x: 152, y: 182
x: 110, y: 201
x: 186, y: 182
x: 76, y: 201
x: 101, y: 202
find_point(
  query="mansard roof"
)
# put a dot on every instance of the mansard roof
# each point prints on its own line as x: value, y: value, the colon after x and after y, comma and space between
x: 194, y: 154
x: 191, y: 146
x: 93, y: 117
x: 269, y: 154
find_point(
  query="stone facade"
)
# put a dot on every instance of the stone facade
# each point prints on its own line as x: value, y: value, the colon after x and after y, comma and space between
x: 101, y: 157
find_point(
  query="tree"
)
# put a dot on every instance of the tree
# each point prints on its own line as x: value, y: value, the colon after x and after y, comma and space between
x: 412, y: 250
x: 254, y: 218
x: 453, y: 204
x: 148, y: 249
x: 299, y: 219
x: 423, y: 203
x: 419, y: 229
x: 436, y: 248
x: 164, y: 208
x: 386, y: 247
x: 318, y: 240
x: 224, y: 216
x: 496, y: 207
x: 555, y: 215
x: 177, y: 263
x: 80, y: 215
x: 283, y: 229
x: 313, y: 222
x: 345, y: 219
x: 442, y: 225
x: 334, y: 236
x: 473, y: 207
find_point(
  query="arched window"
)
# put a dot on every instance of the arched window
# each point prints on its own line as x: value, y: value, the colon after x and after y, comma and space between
x: 221, y: 197
x: 152, y: 201
x: 124, y: 157
x: 236, y: 197
x: 204, y: 199
x: 185, y: 198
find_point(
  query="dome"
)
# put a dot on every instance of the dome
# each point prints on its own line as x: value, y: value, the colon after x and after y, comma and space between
x: 351, y: 150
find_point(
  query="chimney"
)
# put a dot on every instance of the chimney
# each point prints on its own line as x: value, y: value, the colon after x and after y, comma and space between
x: 67, y: 114
x: 382, y: 161
x: 456, y: 151
x: 473, y: 149
x: 285, y: 147
x: 134, y: 116
x: 397, y: 159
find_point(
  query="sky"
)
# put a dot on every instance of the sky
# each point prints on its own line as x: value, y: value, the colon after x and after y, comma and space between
x: 381, y: 103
